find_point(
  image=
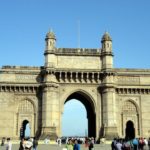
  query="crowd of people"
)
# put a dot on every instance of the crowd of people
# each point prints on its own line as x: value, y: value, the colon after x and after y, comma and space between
x: 25, y: 144
x: 8, y: 145
x: 32, y: 143
x: 28, y: 144
x: 74, y: 143
x: 81, y: 140
x: 132, y: 144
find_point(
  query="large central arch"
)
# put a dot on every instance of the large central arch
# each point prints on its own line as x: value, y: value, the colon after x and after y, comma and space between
x: 90, y: 109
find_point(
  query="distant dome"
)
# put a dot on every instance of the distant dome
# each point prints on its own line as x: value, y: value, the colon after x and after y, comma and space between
x: 50, y: 35
x: 106, y: 37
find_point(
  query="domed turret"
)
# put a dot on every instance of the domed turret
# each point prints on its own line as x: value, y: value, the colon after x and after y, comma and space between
x: 106, y: 37
x: 50, y: 35
x: 107, y: 54
x: 106, y: 42
x: 50, y: 49
x: 50, y: 41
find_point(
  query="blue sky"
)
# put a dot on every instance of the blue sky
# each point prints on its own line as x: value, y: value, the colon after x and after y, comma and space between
x: 24, y: 24
x: 74, y: 119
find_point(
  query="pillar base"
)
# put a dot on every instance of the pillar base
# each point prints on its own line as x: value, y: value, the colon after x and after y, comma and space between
x: 110, y: 132
x: 49, y: 133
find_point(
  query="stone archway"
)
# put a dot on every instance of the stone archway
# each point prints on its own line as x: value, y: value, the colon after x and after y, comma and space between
x: 25, y: 115
x: 130, y: 130
x: 130, y: 119
x: 23, y: 130
x: 89, y: 106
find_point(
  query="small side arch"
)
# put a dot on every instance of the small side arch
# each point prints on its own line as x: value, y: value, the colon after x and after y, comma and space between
x: 130, y: 118
x: 130, y: 130
x: 25, y: 130
x: 26, y: 111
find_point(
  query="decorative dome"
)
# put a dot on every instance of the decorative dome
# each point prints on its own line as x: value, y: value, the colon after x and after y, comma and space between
x: 50, y: 35
x: 106, y: 37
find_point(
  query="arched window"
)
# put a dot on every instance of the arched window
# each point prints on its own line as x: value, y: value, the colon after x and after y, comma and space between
x: 129, y: 108
x: 25, y: 117
x: 129, y: 119
x: 25, y: 107
x: 107, y: 45
x: 25, y: 129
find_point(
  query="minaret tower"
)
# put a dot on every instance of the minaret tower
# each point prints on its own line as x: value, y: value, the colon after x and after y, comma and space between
x: 50, y: 49
x: 107, y: 55
x: 108, y: 88
x: 50, y: 103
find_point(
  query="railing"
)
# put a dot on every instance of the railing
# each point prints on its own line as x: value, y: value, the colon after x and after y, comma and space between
x: 78, y: 51
x: 20, y: 67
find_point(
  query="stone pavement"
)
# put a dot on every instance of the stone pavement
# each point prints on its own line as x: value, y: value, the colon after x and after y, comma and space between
x: 55, y: 147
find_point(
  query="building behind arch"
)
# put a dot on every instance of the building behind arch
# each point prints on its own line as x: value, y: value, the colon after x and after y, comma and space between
x: 115, y: 98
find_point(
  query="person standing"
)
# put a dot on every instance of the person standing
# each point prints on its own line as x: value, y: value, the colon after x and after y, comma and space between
x: 22, y: 144
x: 3, y: 141
x: 9, y: 144
x: 135, y: 143
x: 119, y: 144
x: 35, y: 144
x: 113, y: 144
x: 76, y: 145
x: 91, y: 145
x: 59, y: 141
x: 69, y: 145
x: 86, y: 142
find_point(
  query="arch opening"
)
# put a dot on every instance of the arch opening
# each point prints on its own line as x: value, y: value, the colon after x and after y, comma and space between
x: 90, y: 111
x: 25, y: 117
x: 25, y: 129
x: 74, y: 119
x: 130, y: 119
x: 130, y: 130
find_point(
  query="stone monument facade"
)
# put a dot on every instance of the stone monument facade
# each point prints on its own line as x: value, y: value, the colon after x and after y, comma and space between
x: 116, y: 99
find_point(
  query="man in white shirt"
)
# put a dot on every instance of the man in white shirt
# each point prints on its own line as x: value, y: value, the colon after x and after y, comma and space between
x: 59, y: 141
x: 9, y: 144
x: 119, y: 145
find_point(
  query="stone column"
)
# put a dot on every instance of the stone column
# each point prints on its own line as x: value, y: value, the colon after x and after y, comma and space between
x: 109, y: 108
x: 50, y: 109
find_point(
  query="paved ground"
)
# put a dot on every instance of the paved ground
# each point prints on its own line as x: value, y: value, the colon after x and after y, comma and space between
x: 55, y: 147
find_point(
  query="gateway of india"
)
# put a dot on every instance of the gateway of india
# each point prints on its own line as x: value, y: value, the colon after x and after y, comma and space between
x: 117, y: 100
